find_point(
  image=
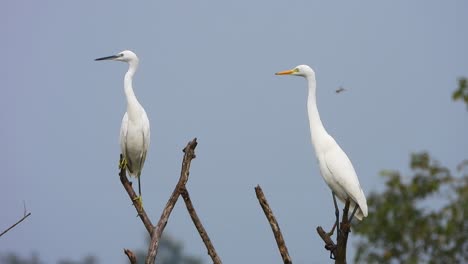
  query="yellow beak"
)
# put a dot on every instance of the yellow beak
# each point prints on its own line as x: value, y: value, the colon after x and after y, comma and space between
x: 285, y: 72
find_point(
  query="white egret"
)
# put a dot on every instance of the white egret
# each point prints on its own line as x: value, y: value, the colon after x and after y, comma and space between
x: 335, y: 166
x: 135, y: 128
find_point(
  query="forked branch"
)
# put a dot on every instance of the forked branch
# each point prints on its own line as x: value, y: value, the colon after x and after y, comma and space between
x: 180, y: 189
x: 189, y: 151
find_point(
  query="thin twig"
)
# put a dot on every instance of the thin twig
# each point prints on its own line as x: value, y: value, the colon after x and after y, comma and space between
x: 131, y: 256
x: 189, y: 151
x: 274, y: 225
x: 19, y: 221
x: 201, y: 230
x: 133, y: 197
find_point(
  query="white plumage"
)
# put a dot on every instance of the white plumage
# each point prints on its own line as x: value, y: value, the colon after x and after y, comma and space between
x: 335, y: 166
x: 135, y: 128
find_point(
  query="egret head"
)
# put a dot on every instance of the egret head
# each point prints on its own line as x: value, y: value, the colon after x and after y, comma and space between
x: 301, y: 70
x: 126, y: 56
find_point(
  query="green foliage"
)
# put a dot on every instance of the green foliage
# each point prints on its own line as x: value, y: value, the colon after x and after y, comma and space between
x: 12, y: 258
x: 86, y: 260
x: 417, y: 219
x: 462, y: 92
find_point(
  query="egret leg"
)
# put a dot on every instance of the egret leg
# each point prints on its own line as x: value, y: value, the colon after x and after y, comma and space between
x: 354, y: 211
x: 337, y: 214
x: 336, y: 225
x: 139, y: 199
x: 332, y: 250
x: 139, y: 186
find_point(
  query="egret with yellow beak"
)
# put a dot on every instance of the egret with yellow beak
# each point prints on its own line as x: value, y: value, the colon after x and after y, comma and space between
x: 335, y: 166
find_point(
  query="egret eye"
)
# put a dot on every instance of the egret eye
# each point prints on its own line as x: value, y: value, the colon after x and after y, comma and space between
x: 296, y: 70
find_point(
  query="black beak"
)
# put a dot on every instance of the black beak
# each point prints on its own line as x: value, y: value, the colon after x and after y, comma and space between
x: 109, y: 57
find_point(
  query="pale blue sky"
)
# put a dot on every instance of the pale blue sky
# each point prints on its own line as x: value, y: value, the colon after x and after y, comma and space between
x: 207, y: 71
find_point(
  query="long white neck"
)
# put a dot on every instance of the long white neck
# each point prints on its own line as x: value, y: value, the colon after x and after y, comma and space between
x: 318, y: 133
x: 133, y: 106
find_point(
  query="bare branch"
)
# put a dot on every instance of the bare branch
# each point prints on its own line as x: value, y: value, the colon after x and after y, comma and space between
x: 189, y: 151
x: 274, y: 225
x: 19, y: 221
x: 15, y: 224
x: 329, y: 244
x: 343, y: 236
x: 131, y: 257
x: 201, y: 230
x: 133, y: 197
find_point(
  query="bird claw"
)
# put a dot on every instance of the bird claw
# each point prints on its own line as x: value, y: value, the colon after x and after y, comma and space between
x: 123, y: 164
x: 332, y: 250
x: 139, y: 202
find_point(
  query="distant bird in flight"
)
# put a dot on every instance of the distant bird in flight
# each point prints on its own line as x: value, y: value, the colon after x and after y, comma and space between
x: 340, y: 89
x: 335, y: 166
x: 135, y: 128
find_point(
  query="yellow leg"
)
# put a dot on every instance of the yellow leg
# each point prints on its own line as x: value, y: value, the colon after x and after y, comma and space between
x: 139, y: 199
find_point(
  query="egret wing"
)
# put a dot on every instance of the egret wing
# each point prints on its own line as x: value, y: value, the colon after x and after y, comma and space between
x: 123, y: 141
x: 123, y: 134
x: 146, y: 139
x: 345, y: 176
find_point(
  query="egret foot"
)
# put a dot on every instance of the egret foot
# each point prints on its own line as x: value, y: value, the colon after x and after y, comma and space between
x: 332, y: 252
x: 122, y: 164
x: 139, y: 201
x: 332, y: 248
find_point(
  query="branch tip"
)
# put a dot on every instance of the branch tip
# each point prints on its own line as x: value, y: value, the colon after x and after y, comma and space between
x: 131, y: 256
x: 15, y: 224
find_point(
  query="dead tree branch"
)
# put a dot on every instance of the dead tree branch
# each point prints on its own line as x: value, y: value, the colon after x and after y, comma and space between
x: 15, y: 224
x: 338, y: 250
x: 343, y: 236
x: 274, y: 225
x: 329, y: 244
x: 131, y: 256
x: 189, y: 151
x: 133, y: 197
x: 201, y: 230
